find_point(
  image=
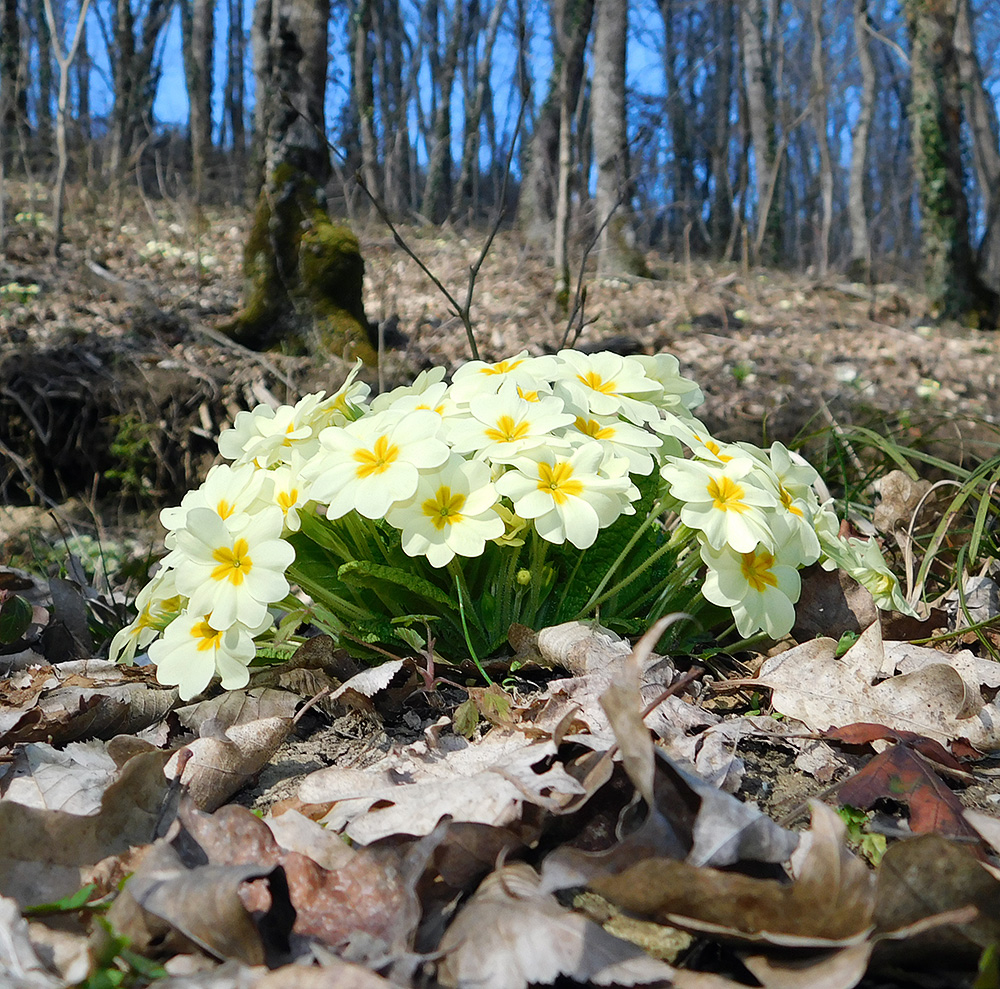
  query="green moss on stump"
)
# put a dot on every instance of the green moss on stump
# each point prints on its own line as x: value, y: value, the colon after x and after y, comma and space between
x: 304, y: 276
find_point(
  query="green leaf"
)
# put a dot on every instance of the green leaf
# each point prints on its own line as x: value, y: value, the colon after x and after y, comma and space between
x: 75, y: 901
x: 405, y: 583
x: 15, y: 617
x: 466, y: 718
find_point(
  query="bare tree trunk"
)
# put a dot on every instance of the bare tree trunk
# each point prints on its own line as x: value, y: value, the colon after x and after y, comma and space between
x: 13, y: 92
x: 860, y: 265
x: 395, y: 121
x: 303, y: 274
x: 364, y: 97
x: 723, y: 196
x: 981, y: 114
x: 44, y: 78
x: 134, y: 74
x: 760, y: 108
x: 65, y: 62
x: 609, y: 132
x: 819, y: 98
x: 464, y: 191
x: 234, y: 100
x: 537, y: 209
x: 198, y: 44
x: 952, y: 285
x: 437, y: 188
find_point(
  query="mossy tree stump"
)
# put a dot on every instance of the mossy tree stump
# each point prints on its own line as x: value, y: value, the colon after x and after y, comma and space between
x: 303, y: 272
x: 304, y: 275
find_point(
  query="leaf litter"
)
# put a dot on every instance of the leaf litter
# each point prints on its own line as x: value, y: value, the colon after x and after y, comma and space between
x: 592, y: 827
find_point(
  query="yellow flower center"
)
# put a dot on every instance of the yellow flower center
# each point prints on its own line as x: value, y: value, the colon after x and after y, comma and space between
x: 444, y: 508
x: 593, y: 380
x: 756, y: 569
x: 378, y: 459
x: 507, y: 430
x: 503, y: 367
x: 208, y: 637
x: 439, y: 409
x: 592, y: 428
x: 234, y: 564
x: 224, y: 509
x: 289, y: 429
x: 714, y: 447
x: 557, y: 481
x: 528, y: 396
x: 726, y: 495
x: 786, y: 500
x: 287, y: 498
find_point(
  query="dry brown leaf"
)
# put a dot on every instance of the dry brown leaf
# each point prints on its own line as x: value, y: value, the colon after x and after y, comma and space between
x: 410, y: 791
x: 202, y: 904
x: 72, y: 779
x: 842, y: 968
x: 235, y: 707
x: 808, y: 683
x: 511, y: 935
x: 20, y: 965
x: 44, y: 853
x: 581, y: 647
x: 830, y: 903
x: 220, y: 763
x: 335, y: 974
x: 367, y: 895
x: 927, y: 876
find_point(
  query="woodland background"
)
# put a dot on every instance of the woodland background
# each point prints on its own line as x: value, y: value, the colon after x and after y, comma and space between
x: 857, y: 135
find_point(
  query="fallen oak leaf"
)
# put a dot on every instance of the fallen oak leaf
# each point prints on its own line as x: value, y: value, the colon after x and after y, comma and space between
x: 511, y: 934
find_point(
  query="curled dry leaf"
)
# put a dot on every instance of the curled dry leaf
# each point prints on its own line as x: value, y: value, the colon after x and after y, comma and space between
x: 20, y: 965
x: 220, y: 763
x: 72, y: 779
x: 581, y: 647
x: 830, y: 903
x: 203, y: 905
x: 511, y: 935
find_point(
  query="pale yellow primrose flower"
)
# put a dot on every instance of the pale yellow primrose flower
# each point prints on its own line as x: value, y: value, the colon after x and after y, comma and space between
x: 285, y: 487
x: 724, y: 502
x: 367, y: 465
x: 481, y: 378
x: 607, y: 384
x: 451, y: 513
x: 191, y: 652
x: 422, y: 383
x: 503, y: 426
x: 266, y: 436
x: 568, y: 494
x: 620, y: 439
x: 679, y: 394
x: 760, y: 587
x: 435, y: 398
x: 158, y: 603
x: 232, y: 492
x: 862, y: 560
x: 233, y: 576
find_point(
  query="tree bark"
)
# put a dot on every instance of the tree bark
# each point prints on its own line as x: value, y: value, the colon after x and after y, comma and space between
x: 303, y: 273
x: 13, y: 92
x: 134, y: 75
x: 198, y: 43
x: 571, y: 22
x: 65, y: 62
x: 234, y: 100
x: 723, y: 195
x: 981, y: 114
x: 760, y: 109
x: 952, y: 284
x: 464, y: 194
x: 860, y: 265
x: 438, y: 185
x: 819, y: 114
x: 609, y: 132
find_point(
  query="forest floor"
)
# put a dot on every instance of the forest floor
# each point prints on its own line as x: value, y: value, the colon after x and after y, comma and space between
x: 89, y: 353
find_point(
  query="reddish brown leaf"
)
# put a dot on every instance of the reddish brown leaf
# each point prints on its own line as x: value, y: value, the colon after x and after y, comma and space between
x: 864, y: 733
x: 900, y: 774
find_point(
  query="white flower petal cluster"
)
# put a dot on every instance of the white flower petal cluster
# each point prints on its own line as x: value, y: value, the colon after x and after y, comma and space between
x: 505, y: 454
